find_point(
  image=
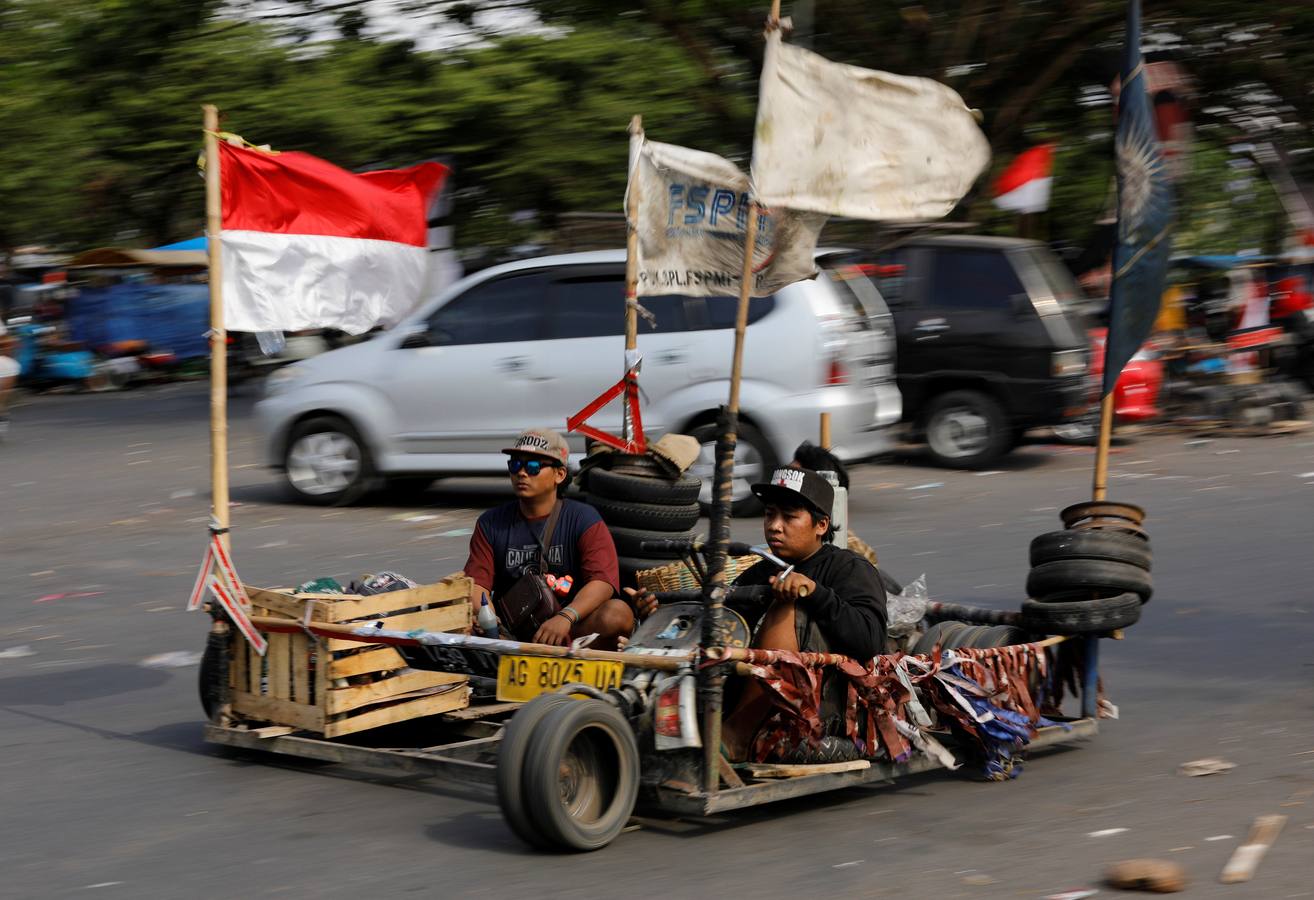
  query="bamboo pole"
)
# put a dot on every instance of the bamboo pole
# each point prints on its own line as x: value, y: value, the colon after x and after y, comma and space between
x: 1101, y: 481
x: 711, y: 686
x: 631, y: 269
x: 218, y: 337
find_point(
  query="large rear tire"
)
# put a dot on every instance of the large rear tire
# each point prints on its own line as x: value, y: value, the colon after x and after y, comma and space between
x: 582, y: 776
x: 511, y: 759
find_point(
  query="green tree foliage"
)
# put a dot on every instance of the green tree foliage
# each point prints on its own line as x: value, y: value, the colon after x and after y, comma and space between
x: 99, y: 99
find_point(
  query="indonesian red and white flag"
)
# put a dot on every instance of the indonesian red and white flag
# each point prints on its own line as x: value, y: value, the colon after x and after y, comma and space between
x: 1024, y: 186
x: 306, y: 244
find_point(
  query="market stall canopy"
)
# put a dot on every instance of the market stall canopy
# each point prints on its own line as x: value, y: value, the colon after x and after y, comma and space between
x: 117, y: 257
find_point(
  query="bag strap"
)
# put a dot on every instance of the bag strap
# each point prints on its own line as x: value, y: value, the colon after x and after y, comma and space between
x: 545, y: 538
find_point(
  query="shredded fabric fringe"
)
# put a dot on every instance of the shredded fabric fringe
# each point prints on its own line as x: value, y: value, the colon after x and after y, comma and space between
x: 995, y: 697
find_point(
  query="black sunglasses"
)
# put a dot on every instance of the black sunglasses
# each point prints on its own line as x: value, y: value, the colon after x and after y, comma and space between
x: 531, y: 466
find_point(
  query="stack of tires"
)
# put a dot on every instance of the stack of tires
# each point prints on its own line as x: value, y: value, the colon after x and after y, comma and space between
x: 1094, y: 576
x: 640, y: 501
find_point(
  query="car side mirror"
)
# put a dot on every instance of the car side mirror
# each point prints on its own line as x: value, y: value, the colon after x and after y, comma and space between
x: 415, y: 340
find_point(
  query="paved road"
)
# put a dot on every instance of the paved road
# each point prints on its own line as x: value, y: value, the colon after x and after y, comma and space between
x: 106, y: 787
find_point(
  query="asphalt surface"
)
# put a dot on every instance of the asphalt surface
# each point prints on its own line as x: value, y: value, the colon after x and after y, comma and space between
x: 107, y: 789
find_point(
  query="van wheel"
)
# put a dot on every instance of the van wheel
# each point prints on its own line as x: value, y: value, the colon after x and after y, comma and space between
x: 966, y: 430
x: 755, y: 460
x: 327, y: 463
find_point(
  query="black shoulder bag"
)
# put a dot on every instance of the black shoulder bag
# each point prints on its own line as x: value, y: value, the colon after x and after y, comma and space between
x: 529, y: 602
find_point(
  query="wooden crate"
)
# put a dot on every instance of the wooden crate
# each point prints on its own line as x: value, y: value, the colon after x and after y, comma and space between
x: 336, y: 687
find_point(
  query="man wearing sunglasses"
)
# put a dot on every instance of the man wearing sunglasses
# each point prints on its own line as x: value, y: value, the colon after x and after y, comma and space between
x: 506, y: 545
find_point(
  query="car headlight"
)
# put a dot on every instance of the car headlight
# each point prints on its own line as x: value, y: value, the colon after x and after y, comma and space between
x: 279, y: 380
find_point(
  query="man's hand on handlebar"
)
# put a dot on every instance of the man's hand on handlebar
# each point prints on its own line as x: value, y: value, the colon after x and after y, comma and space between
x: 793, y: 586
x: 644, y: 602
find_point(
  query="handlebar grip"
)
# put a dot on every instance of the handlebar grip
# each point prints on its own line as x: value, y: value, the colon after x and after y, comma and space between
x: 738, y: 548
x: 750, y: 592
x: 666, y: 545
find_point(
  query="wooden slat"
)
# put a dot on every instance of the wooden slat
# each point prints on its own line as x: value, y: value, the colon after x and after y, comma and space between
x: 254, y: 666
x: 425, y: 706
x: 443, y: 618
x: 340, y: 700
x: 448, y: 591
x: 384, y: 659
x: 300, y: 668
x: 280, y: 666
x: 237, y: 677
x: 277, y: 602
x: 278, y: 712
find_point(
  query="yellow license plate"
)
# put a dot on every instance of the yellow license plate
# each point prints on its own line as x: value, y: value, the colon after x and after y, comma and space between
x: 521, y: 678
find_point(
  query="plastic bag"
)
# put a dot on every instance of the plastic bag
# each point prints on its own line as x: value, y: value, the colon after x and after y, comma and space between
x: 907, y: 608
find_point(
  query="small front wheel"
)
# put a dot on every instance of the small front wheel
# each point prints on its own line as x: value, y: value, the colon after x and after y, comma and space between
x: 581, y: 776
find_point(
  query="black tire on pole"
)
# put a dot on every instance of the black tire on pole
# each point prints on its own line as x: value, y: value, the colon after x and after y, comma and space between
x: 1113, y: 546
x: 581, y: 777
x: 511, y: 758
x: 1082, y: 616
x: 1070, y: 578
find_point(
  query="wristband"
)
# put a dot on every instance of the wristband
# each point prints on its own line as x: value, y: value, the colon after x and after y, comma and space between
x: 571, y: 615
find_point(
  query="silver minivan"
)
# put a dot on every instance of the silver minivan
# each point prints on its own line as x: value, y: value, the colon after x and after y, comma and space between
x: 530, y: 343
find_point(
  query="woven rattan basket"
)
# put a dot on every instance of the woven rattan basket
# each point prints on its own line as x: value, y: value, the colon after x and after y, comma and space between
x: 677, y: 577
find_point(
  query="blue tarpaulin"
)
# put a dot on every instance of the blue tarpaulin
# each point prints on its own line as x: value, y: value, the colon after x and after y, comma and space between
x: 196, y: 243
x: 168, y: 317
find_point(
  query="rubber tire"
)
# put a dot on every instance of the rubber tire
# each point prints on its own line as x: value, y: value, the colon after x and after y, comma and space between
x: 542, y: 785
x: 1108, y: 545
x: 365, y: 479
x: 654, y: 516
x: 1081, y: 616
x: 747, y: 434
x: 945, y: 633
x: 511, y: 755
x: 638, y: 489
x: 212, y: 678
x: 998, y: 438
x: 1000, y: 636
x: 629, y: 542
x: 1061, y: 580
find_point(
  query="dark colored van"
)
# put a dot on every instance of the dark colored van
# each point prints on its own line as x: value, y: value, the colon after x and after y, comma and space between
x: 990, y: 342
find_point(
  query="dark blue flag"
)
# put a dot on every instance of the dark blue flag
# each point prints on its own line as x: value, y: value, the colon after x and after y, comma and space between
x: 1145, y: 214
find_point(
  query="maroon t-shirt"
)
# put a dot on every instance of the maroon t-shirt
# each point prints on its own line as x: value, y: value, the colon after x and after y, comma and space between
x: 505, y: 544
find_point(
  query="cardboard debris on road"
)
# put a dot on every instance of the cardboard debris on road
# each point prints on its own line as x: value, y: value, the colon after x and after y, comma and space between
x: 1156, y: 876
x: 1210, y: 766
x: 1246, y: 858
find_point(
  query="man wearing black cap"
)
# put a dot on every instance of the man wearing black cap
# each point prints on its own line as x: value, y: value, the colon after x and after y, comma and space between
x: 829, y: 600
x: 831, y: 596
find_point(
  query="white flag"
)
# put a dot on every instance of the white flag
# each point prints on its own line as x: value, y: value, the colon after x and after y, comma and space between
x: 693, y: 212
x: 847, y: 141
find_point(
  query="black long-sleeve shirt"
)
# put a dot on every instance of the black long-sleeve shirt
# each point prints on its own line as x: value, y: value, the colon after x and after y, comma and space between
x: 848, y: 604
